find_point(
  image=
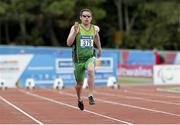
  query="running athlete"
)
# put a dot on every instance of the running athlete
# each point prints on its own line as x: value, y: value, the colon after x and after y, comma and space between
x: 82, y: 37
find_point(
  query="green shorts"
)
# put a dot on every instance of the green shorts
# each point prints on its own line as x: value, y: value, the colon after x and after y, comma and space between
x: 81, y: 67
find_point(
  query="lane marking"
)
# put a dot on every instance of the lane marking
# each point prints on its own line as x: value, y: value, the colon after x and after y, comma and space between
x: 74, y: 107
x: 20, y: 110
x: 137, y: 98
x: 169, y: 90
x: 143, y: 93
x: 127, y: 105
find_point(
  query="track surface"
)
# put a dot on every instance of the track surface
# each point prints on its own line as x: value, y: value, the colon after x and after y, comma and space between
x: 127, y: 105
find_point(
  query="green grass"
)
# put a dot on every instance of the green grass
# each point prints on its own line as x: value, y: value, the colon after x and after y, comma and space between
x: 134, y: 80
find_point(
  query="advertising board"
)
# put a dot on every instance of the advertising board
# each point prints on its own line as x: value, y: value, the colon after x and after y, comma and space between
x: 166, y: 74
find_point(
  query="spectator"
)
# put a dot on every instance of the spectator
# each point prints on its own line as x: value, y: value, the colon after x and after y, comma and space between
x: 158, y: 57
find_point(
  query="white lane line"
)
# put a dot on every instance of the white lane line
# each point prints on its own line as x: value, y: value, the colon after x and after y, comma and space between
x: 142, y: 108
x: 155, y: 95
x: 168, y: 90
x: 71, y: 106
x: 137, y: 98
x: 127, y: 105
x: 20, y: 110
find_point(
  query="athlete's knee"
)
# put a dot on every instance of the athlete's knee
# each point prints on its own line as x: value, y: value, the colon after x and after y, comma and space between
x: 79, y: 85
x: 90, y: 69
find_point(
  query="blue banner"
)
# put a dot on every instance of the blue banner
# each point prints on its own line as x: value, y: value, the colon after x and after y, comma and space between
x: 47, y: 64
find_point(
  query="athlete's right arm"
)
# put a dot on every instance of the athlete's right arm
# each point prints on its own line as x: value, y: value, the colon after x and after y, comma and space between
x: 72, y: 35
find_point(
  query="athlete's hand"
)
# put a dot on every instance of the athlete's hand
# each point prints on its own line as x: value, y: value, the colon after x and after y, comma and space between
x: 99, y: 53
x: 76, y: 27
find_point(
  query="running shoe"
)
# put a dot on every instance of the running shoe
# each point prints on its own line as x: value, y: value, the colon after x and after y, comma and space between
x: 81, y: 105
x: 91, y: 100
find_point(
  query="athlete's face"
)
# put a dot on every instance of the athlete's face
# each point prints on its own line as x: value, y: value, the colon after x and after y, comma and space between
x: 86, y: 18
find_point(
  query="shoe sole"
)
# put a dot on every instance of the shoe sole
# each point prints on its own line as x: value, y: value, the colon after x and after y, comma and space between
x: 92, y: 103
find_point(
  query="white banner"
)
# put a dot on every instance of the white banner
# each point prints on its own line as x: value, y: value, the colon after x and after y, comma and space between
x: 12, y: 67
x: 166, y: 74
x: 177, y: 58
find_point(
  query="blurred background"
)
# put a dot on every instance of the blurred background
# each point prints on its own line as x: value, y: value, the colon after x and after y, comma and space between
x: 135, y: 36
x: 132, y: 24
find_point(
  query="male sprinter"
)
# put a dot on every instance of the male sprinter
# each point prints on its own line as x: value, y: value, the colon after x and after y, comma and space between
x: 82, y: 37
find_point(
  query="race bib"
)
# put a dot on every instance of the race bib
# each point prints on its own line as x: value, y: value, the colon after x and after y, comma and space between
x: 86, y: 41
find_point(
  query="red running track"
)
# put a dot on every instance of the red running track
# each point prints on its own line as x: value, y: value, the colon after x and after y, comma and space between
x: 127, y: 105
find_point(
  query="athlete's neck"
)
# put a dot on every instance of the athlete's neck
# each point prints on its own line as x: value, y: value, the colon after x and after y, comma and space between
x: 86, y: 26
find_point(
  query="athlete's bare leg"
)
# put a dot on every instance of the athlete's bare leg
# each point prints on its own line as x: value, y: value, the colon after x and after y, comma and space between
x: 79, y: 90
x: 90, y: 70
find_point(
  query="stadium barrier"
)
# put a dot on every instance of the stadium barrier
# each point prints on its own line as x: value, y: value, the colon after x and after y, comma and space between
x: 44, y: 65
x: 166, y: 74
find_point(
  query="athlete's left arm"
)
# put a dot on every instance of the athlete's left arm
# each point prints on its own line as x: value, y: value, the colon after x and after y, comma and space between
x: 97, y: 41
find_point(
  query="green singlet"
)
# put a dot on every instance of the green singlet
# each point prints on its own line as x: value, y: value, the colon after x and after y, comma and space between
x: 83, y: 51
